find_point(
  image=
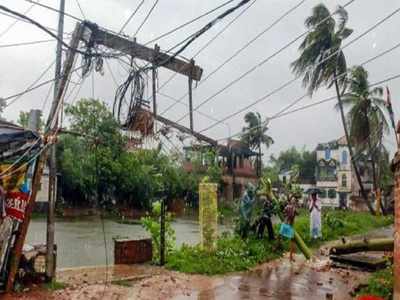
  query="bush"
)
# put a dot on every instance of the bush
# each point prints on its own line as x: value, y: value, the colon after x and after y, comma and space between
x: 152, y: 225
x: 380, y: 284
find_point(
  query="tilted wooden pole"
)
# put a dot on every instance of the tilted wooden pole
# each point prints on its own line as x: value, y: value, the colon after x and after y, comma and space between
x: 23, y: 228
x: 191, y: 98
x: 154, y: 79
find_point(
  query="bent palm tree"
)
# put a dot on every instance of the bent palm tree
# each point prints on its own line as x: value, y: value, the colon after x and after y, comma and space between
x: 254, y: 134
x: 322, y: 62
x: 366, y: 116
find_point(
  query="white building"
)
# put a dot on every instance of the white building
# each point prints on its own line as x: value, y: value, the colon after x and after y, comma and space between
x: 334, y: 175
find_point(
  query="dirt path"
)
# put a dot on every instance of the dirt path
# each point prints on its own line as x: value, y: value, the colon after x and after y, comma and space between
x: 275, y: 280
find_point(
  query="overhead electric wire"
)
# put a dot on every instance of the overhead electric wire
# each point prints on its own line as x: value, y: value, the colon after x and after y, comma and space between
x: 55, y: 10
x: 295, y: 78
x: 187, y: 105
x: 245, y: 46
x: 188, y: 22
x: 131, y: 16
x: 202, y: 49
x: 31, y: 85
x: 252, y: 69
x: 37, y: 24
x: 146, y: 18
x: 25, y: 21
x: 80, y: 9
x: 26, y: 43
x: 37, y: 86
x: 15, y: 22
x: 135, y: 80
x: 307, y: 106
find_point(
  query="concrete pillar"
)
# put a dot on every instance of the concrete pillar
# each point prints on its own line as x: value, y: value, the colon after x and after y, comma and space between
x: 396, y: 168
x: 208, y: 215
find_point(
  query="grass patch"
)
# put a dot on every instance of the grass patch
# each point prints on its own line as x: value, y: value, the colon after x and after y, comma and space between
x: 234, y: 254
x: 54, y: 285
x: 231, y: 254
x: 337, y: 224
x: 380, y: 284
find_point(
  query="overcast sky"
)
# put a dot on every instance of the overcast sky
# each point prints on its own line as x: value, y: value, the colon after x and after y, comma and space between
x: 20, y: 66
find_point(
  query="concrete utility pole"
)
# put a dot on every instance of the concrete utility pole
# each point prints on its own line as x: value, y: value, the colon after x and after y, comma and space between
x: 50, y: 263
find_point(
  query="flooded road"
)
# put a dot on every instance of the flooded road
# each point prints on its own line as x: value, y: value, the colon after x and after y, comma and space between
x: 81, y: 242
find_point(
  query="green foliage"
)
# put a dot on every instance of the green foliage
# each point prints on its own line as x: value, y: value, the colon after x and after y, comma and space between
x: 366, y: 110
x: 97, y: 165
x: 152, y: 225
x: 305, y: 161
x: 380, y: 284
x: 235, y: 254
x: 231, y: 254
x: 254, y: 134
x: 24, y: 117
x: 337, y: 224
x: 320, y: 46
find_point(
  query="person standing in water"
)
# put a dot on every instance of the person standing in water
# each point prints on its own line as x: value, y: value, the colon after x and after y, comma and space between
x: 315, y: 216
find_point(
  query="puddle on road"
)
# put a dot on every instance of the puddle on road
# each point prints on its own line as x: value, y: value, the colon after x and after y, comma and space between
x: 282, y: 281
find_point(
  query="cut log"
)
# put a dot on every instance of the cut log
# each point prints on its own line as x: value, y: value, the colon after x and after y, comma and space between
x: 363, y: 245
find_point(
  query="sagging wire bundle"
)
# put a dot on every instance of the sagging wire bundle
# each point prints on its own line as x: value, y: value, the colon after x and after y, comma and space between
x: 129, y: 101
x: 135, y: 80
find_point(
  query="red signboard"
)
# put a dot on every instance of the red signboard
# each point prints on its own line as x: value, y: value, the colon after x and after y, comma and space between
x: 16, y: 203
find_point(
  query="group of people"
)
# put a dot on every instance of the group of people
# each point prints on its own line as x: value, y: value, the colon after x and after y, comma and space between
x: 290, y: 211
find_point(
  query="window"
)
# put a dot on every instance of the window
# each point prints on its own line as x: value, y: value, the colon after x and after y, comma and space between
x: 327, y: 154
x: 344, y: 157
x: 344, y: 180
x: 331, y: 193
x: 322, y: 194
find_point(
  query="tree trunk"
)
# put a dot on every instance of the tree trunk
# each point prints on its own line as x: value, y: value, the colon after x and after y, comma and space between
x: 363, y: 245
x: 363, y: 193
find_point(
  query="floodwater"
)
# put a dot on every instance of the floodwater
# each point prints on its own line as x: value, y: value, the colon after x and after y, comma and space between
x: 81, y: 242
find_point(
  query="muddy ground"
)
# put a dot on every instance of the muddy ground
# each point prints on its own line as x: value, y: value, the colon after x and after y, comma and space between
x: 279, y: 279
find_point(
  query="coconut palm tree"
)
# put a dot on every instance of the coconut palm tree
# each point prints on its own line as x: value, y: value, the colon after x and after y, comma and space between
x: 322, y: 63
x: 365, y: 116
x: 254, y: 134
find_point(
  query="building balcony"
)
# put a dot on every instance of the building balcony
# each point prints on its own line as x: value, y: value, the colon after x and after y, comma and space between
x: 327, y: 178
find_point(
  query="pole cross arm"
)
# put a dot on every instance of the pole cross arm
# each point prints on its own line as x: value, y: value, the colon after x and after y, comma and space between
x: 134, y: 49
x: 184, y: 129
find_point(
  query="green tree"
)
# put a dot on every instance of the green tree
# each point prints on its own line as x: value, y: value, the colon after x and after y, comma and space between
x: 254, y: 134
x: 305, y: 160
x: 323, y: 63
x: 366, y: 116
x: 23, y: 120
x: 89, y: 159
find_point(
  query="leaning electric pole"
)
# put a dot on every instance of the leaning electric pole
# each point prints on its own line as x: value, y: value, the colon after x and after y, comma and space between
x: 50, y: 263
